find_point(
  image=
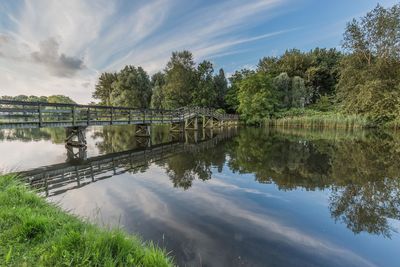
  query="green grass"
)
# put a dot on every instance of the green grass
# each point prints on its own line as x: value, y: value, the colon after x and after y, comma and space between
x: 305, y: 118
x: 34, y: 232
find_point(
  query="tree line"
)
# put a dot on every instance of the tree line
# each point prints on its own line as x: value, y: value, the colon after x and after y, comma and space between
x: 44, y: 99
x: 181, y: 83
x: 363, y: 78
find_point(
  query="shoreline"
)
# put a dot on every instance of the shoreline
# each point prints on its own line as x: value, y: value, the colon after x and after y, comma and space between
x: 36, y: 232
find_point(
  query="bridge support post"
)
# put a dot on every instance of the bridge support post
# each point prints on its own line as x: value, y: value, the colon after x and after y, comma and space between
x: 76, y: 136
x: 177, y: 127
x: 208, y: 123
x: 143, y: 130
x: 192, y: 124
x: 191, y: 137
x: 76, y: 157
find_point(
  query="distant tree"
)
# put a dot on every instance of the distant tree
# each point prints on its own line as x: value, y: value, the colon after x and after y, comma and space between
x: 60, y: 99
x: 104, y: 87
x: 180, y: 80
x: 132, y: 88
x: 44, y: 99
x: 157, y: 84
x: 33, y: 98
x: 221, y: 88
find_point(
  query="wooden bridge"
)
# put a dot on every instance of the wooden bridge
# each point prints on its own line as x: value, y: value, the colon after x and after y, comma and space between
x: 75, y: 118
x: 59, y: 178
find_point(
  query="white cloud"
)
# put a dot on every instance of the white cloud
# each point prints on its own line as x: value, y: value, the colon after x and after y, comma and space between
x: 60, y: 47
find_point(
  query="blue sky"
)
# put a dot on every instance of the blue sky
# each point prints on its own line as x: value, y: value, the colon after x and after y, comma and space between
x: 61, y: 47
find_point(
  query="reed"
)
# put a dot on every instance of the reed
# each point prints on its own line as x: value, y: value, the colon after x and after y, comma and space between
x: 318, y: 120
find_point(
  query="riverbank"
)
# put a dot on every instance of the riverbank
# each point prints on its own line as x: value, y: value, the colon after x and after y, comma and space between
x: 34, y: 232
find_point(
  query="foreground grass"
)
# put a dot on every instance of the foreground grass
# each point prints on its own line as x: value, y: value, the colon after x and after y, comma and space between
x: 36, y: 233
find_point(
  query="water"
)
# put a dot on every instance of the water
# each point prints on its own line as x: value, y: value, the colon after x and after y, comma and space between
x: 252, y: 197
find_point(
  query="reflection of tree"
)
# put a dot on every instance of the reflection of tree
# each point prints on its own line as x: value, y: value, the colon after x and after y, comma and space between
x: 122, y: 138
x: 363, y: 173
x: 184, y: 168
x: 367, y: 207
x: 289, y: 164
x: 367, y: 185
x: 115, y: 139
x: 56, y: 135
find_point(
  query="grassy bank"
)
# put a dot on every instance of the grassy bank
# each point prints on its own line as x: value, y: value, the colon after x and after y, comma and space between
x: 305, y: 118
x: 36, y: 233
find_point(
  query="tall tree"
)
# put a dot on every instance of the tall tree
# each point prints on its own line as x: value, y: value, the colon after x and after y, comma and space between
x: 221, y: 88
x: 157, y: 84
x: 204, y: 95
x: 132, y: 88
x: 180, y: 80
x: 370, y: 75
x: 104, y: 88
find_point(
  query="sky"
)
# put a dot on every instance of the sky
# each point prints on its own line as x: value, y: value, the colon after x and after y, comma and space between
x: 50, y: 47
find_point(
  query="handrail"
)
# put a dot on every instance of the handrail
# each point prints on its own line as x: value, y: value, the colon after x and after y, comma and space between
x: 42, y: 114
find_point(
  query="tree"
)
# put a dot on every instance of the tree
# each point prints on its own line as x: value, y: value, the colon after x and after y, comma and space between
x: 300, y: 95
x: 157, y: 84
x: 370, y: 75
x: 375, y: 35
x: 60, y: 99
x: 269, y: 65
x: 180, y: 80
x: 257, y: 98
x: 294, y: 63
x: 231, y: 97
x: 204, y: 95
x: 50, y: 99
x: 282, y: 84
x: 322, y: 76
x: 104, y: 87
x: 132, y: 88
x: 221, y: 88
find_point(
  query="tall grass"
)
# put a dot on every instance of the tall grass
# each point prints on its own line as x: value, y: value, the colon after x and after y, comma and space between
x: 318, y: 120
x: 34, y: 232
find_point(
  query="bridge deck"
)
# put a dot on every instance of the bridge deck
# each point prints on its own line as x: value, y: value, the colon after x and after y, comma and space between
x: 20, y: 114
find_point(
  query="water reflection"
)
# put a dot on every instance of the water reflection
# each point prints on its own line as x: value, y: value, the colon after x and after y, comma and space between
x: 248, y: 197
x: 361, y: 173
x: 79, y: 170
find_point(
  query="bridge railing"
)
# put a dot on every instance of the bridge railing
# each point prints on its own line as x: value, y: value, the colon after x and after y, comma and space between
x: 40, y: 114
x: 209, y: 112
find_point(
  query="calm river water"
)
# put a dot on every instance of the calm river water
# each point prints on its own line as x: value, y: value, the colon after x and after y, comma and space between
x: 247, y: 197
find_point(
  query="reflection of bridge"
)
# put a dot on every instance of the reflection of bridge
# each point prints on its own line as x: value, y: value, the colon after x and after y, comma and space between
x: 59, y: 178
x: 20, y: 114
